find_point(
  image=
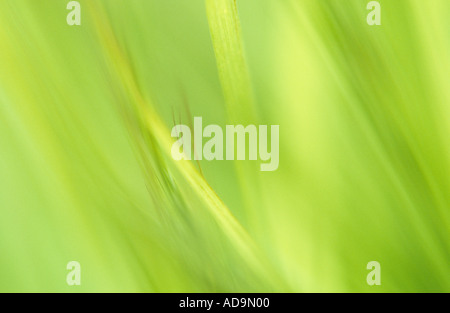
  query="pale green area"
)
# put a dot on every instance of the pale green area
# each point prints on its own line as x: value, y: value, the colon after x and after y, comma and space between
x: 85, y: 119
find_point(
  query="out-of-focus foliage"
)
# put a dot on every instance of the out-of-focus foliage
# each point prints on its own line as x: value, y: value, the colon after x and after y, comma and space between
x: 87, y: 175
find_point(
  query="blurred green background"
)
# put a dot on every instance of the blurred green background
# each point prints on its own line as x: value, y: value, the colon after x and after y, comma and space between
x: 87, y: 176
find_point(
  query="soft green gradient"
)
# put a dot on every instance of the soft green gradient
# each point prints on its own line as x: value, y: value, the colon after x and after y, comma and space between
x: 85, y: 119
